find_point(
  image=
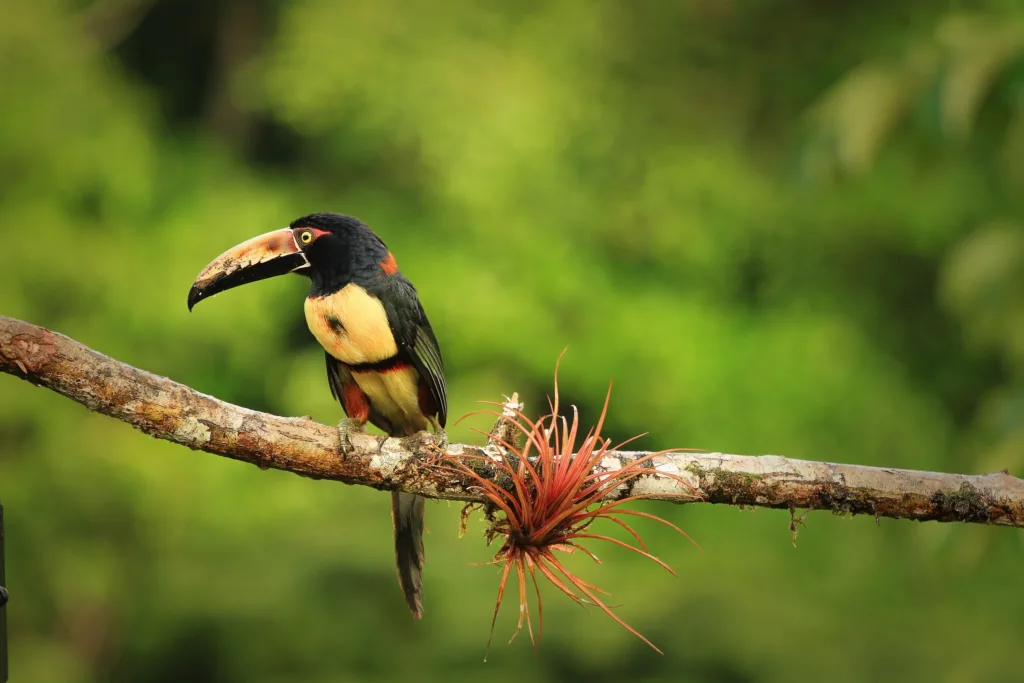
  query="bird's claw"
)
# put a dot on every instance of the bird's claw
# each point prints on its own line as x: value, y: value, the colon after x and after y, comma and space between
x: 424, y: 439
x: 441, y: 438
x: 346, y: 428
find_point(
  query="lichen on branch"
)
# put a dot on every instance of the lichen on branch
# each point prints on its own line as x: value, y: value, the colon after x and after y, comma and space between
x: 168, y: 410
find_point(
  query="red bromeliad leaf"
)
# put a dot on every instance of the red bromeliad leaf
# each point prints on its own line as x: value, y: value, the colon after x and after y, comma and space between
x: 554, y: 497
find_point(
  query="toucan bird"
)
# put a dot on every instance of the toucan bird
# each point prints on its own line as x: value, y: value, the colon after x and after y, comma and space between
x: 383, y: 361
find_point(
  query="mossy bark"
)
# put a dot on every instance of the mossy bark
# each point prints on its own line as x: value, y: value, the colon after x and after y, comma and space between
x: 168, y: 410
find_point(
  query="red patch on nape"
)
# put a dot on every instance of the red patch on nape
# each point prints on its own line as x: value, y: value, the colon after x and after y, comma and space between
x: 389, y: 265
x: 356, y: 405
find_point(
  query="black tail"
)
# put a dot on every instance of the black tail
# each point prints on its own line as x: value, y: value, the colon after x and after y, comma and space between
x: 407, y: 512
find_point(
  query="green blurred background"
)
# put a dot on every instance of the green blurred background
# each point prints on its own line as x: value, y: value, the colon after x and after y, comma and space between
x: 780, y: 226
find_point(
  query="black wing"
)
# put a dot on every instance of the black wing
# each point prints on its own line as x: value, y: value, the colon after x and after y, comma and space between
x: 337, y: 376
x: 414, y: 336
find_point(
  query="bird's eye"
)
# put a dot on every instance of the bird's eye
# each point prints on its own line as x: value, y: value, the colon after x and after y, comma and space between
x: 306, y: 237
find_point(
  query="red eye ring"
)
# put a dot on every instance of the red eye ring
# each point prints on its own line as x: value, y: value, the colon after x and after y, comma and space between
x: 306, y: 236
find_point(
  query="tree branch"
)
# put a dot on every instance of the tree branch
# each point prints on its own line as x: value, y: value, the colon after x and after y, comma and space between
x: 172, y: 411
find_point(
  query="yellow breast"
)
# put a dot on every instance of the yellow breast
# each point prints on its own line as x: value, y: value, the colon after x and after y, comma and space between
x: 351, y: 325
x: 394, y: 395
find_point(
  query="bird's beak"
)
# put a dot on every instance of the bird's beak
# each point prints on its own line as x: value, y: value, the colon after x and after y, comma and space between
x: 274, y: 253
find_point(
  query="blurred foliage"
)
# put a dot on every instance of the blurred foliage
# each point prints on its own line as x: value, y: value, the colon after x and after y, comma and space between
x: 781, y: 227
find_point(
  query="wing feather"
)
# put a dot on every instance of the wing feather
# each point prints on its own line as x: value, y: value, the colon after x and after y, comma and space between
x: 415, y: 337
x: 430, y: 365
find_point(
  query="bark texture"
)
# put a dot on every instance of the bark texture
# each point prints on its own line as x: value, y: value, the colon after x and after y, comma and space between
x: 168, y: 410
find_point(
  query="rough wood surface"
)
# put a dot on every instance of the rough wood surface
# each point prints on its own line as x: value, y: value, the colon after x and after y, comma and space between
x: 169, y: 410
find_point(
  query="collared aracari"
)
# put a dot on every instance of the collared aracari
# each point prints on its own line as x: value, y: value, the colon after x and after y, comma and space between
x: 383, y: 361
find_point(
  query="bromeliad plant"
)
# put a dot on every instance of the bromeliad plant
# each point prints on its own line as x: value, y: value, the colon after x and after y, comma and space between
x: 548, y: 493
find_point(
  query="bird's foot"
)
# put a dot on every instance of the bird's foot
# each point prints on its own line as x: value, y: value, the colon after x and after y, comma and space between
x: 441, y: 438
x: 424, y: 441
x: 346, y: 429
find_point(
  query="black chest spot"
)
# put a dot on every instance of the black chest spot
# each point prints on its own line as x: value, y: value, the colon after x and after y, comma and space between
x: 334, y: 322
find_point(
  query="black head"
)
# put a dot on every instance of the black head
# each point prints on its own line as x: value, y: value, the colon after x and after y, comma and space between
x: 335, y: 223
x: 339, y: 248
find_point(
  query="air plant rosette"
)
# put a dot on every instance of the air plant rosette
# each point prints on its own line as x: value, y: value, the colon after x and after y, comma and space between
x: 545, y: 487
